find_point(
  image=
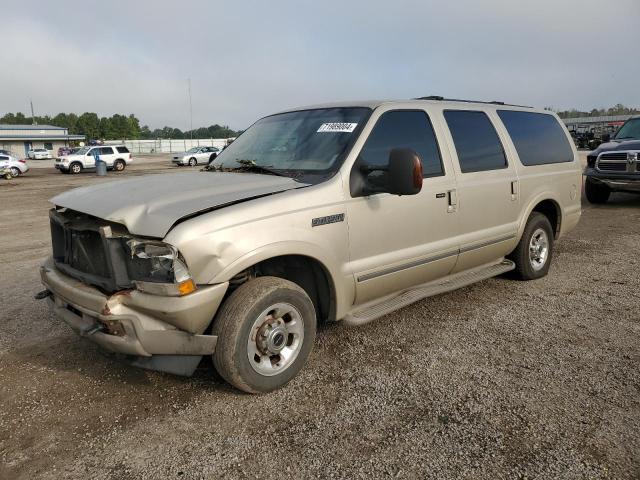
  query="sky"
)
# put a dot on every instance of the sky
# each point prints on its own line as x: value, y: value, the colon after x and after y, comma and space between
x: 252, y: 58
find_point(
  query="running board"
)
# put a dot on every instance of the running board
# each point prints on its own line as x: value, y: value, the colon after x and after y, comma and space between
x: 371, y: 311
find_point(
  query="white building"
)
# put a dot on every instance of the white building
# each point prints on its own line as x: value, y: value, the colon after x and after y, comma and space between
x: 19, y: 139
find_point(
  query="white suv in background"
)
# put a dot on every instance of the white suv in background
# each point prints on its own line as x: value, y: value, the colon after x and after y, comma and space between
x: 117, y: 157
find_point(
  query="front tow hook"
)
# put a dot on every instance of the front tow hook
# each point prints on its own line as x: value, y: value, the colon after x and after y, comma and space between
x: 43, y: 294
x: 91, y: 329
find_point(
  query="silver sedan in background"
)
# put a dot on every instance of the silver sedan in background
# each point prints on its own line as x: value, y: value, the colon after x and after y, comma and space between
x: 195, y: 156
x: 15, y: 166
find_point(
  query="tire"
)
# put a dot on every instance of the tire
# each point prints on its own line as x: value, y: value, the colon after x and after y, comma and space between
x: 119, y: 165
x: 193, y: 162
x: 15, y: 171
x: 596, y: 192
x: 245, y: 363
x: 75, y: 167
x: 538, y: 234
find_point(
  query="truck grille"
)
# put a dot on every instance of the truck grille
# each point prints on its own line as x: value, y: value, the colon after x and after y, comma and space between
x: 86, y: 253
x: 614, y: 162
x: 81, y: 251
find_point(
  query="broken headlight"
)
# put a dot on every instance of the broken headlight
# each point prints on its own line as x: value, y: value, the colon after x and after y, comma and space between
x: 156, y: 267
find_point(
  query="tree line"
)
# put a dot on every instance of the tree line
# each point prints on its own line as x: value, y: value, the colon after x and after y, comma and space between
x: 618, y: 109
x: 115, y: 127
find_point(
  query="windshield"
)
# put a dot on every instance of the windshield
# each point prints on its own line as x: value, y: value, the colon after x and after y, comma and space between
x: 308, y: 145
x: 193, y: 150
x: 631, y: 129
x: 82, y: 151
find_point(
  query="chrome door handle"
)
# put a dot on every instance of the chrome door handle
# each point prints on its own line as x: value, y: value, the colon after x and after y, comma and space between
x: 452, y: 197
x: 514, y: 190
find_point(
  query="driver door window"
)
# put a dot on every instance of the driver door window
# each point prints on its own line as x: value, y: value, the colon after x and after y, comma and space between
x: 397, y: 129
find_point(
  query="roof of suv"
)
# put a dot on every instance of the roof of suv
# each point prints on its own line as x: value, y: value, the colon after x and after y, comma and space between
x: 431, y: 100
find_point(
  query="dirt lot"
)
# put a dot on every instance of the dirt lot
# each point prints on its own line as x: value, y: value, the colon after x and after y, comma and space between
x: 502, y: 379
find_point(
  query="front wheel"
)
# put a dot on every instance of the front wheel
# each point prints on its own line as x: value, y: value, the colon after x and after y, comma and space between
x: 266, y: 330
x: 193, y: 162
x: 75, y: 168
x: 596, y: 192
x: 533, y: 254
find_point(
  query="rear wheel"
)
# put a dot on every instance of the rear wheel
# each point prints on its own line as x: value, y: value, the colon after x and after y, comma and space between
x: 193, y: 162
x: 534, y: 252
x: 596, y: 192
x: 15, y: 171
x: 75, y: 167
x: 119, y: 165
x: 266, y: 330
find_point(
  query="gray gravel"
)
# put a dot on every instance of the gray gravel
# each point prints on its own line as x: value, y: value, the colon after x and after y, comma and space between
x: 502, y: 379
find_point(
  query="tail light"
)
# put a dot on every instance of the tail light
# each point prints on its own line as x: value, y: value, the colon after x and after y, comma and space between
x: 22, y: 161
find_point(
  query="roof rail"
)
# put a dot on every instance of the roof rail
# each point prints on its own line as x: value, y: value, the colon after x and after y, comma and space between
x: 493, y: 102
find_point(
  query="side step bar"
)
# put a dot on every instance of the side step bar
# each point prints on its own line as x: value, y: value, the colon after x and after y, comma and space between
x: 377, y: 309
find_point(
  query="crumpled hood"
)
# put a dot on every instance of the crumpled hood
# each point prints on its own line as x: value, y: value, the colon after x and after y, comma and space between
x: 150, y: 205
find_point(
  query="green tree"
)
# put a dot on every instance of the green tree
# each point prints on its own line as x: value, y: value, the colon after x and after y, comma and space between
x: 89, y: 125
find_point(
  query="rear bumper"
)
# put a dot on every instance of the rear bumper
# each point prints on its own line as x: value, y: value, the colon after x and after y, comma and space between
x: 134, y: 323
x: 628, y: 182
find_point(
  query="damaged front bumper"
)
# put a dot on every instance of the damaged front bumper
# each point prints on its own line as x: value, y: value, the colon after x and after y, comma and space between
x: 151, y: 331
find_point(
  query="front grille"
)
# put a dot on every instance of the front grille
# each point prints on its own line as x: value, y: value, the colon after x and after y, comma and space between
x: 614, y: 156
x: 86, y: 253
x: 609, y: 166
x: 615, y: 162
x: 82, y: 251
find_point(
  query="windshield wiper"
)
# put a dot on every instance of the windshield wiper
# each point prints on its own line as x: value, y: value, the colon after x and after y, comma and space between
x: 249, y: 166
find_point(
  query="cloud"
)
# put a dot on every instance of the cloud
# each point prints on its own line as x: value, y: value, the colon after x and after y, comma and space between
x: 252, y: 58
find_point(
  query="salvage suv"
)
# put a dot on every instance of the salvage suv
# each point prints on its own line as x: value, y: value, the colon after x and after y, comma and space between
x: 117, y: 157
x: 336, y: 212
x: 615, y: 165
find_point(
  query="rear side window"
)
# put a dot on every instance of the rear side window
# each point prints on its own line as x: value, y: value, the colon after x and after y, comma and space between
x: 122, y: 149
x: 106, y: 151
x: 476, y: 141
x: 538, y: 137
x: 403, y: 129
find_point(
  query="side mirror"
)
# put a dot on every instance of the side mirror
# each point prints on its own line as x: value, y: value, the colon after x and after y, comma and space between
x: 606, y: 137
x: 405, y: 172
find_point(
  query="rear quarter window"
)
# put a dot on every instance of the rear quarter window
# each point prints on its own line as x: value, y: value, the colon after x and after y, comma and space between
x: 539, y: 139
x: 122, y: 149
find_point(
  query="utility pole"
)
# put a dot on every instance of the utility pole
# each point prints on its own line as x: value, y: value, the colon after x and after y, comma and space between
x: 190, y: 113
x: 33, y: 118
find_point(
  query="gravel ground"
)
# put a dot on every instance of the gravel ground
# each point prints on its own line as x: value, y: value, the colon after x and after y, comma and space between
x: 502, y: 379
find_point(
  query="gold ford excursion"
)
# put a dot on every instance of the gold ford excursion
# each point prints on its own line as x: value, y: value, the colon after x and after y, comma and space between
x: 341, y: 212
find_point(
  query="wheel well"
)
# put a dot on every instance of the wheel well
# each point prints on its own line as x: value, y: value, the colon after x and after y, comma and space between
x: 551, y: 210
x: 304, y: 271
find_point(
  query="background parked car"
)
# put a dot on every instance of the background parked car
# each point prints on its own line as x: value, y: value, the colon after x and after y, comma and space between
x: 15, y: 166
x: 62, y: 151
x: 195, y: 156
x: 117, y: 157
x: 39, y: 154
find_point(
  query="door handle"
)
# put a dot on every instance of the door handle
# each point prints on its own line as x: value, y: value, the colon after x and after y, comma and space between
x: 514, y: 190
x: 452, y: 197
